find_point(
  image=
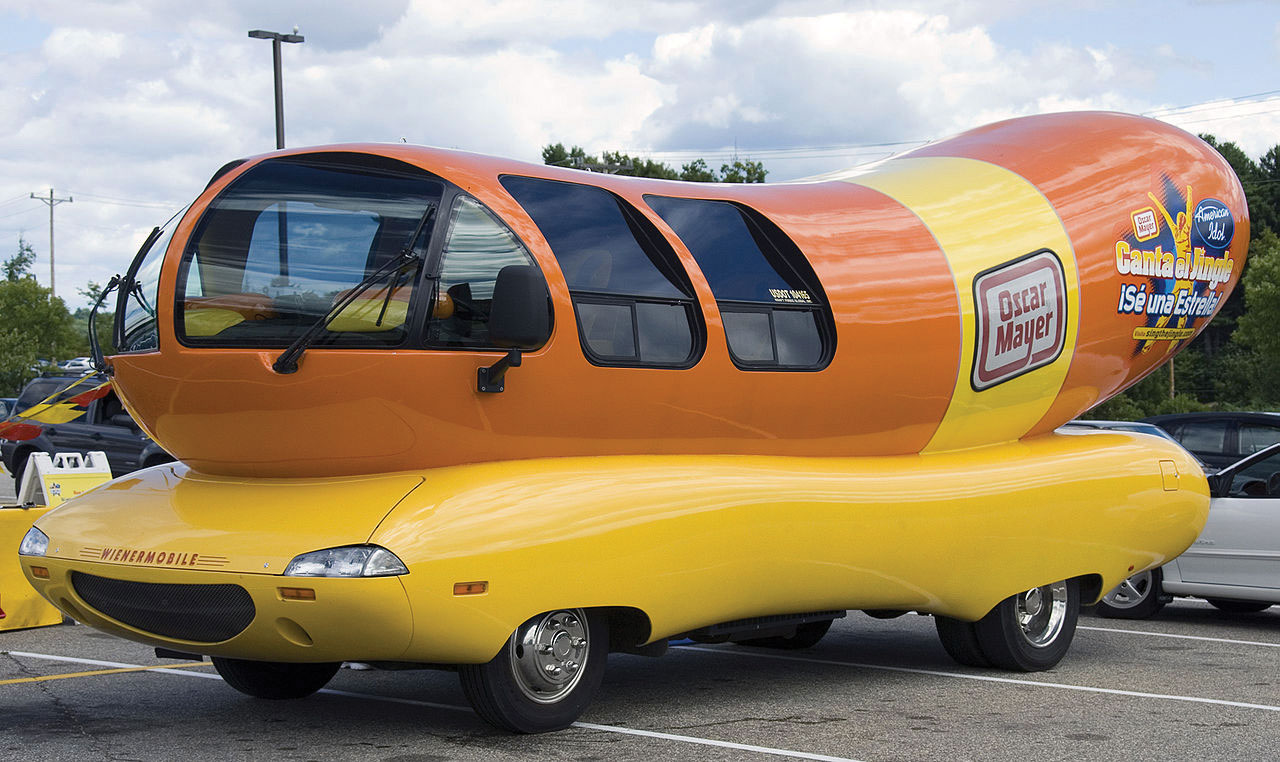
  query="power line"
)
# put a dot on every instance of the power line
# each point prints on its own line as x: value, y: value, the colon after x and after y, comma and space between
x: 1208, y: 104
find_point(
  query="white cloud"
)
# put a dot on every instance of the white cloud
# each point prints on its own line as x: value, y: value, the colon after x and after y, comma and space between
x: 142, y: 100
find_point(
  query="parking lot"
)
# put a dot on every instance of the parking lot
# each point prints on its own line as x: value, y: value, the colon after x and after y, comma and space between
x: 1190, y: 684
x: 1193, y: 683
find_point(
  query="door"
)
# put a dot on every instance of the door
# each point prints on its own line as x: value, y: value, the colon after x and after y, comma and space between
x: 1240, y: 544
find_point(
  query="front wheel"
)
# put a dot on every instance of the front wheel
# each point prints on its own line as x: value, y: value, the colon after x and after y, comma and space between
x: 275, y: 680
x: 545, y: 675
x: 1138, y: 597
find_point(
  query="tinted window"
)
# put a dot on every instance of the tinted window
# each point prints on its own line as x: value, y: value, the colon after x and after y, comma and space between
x: 594, y: 241
x: 1260, y: 479
x: 1206, y: 436
x: 478, y: 246
x: 632, y: 299
x: 769, y: 298
x: 1256, y: 436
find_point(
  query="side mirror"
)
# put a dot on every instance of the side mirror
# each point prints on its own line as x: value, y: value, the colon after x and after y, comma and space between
x: 123, y: 420
x: 520, y: 313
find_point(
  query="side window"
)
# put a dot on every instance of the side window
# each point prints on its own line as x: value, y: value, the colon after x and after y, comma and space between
x: 1256, y: 436
x: 774, y: 311
x: 1261, y: 479
x: 476, y: 249
x: 633, y: 301
x: 136, y: 329
x: 1207, y: 436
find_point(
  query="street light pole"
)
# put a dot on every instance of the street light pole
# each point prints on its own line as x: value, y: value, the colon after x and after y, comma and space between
x: 277, y: 38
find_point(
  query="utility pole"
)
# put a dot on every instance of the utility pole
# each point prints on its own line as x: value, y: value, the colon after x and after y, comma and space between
x: 52, y: 202
x: 277, y: 38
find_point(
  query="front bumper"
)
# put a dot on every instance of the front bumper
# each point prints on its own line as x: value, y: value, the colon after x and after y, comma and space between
x: 198, y: 611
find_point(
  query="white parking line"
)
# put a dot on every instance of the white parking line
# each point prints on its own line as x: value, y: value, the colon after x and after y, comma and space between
x: 414, y: 702
x: 1183, y: 637
x: 982, y: 678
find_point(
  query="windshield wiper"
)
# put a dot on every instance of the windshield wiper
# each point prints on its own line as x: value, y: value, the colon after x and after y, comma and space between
x: 287, y: 362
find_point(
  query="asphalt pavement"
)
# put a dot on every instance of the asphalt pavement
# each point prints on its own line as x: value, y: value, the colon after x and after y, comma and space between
x: 1190, y: 684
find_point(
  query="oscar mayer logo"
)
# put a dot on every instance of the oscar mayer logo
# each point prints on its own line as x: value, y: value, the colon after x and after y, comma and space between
x: 1021, y: 311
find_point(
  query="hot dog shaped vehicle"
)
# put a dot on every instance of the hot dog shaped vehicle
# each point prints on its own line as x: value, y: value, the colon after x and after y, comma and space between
x: 439, y: 408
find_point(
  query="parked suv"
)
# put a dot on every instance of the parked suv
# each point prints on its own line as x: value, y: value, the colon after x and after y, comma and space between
x: 1220, y: 439
x: 106, y: 426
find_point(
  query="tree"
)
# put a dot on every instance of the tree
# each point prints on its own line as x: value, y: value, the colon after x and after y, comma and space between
x: 743, y: 172
x: 618, y: 163
x: 1256, y: 332
x: 35, y: 326
x: 19, y: 265
x: 697, y: 171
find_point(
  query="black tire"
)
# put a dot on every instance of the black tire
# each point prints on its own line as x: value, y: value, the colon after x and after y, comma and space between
x: 1031, y: 631
x: 1238, y: 607
x: 960, y: 641
x: 275, y: 680
x: 807, y: 635
x: 19, y: 469
x: 543, y: 678
x: 1138, y: 597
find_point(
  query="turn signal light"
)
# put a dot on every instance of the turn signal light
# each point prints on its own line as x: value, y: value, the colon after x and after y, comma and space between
x: 40, y: 571
x: 470, y: 588
x: 297, y: 593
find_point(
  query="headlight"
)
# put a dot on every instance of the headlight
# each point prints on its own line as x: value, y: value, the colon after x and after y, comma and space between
x: 35, y: 543
x: 349, y: 561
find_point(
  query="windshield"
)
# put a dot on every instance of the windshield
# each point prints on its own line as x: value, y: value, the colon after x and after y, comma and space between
x: 290, y: 239
x: 136, y: 324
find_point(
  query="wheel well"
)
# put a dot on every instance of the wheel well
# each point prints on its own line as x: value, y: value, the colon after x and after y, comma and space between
x: 628, y: 627
x: 1090, y: 589
x: 22, y: 453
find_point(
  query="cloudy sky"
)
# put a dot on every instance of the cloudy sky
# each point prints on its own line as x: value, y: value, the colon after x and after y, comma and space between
x: 128, y: 107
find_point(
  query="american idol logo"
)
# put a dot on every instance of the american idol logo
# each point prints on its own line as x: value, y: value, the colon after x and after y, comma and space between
x: 1213, y: 223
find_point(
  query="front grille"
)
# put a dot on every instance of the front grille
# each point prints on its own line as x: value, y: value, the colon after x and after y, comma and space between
x: 200, y: 613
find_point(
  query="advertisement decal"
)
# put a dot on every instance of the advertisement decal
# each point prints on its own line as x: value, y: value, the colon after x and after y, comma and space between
x: 1173, y: 265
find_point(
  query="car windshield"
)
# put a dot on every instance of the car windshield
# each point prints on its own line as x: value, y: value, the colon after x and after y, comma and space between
x: 290, y: 239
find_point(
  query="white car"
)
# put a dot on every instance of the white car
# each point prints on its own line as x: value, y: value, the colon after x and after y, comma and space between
x: 1234, y: 563
x: 77, y: 365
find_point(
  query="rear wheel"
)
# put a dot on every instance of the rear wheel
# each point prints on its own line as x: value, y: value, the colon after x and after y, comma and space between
x: 545, y: 675
x: 1138, y: 597
x: 1027, y: 632
x: 275, y: 680
x: 1239, y: 607
x: 806, y: 636
x: 960, y: 641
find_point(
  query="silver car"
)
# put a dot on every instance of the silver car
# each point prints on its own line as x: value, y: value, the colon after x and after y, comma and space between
x: 1234, y: 563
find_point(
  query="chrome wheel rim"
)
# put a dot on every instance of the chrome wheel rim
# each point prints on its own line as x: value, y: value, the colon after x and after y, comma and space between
x: 1131, y: 592
x: 549, y: 654
x: 1041, y: 613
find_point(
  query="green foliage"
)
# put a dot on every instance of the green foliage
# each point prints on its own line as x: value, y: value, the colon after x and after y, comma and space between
x: 617, y: 163
x: 18, y: 266
x: 697, y: 171
x: 34, y: 325
x: 743, y: 172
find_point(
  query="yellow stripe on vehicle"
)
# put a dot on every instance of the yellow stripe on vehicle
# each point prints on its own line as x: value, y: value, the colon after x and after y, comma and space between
x: 983, y: 215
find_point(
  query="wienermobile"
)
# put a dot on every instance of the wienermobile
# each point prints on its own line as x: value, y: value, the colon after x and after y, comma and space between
x: 440, y: 409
